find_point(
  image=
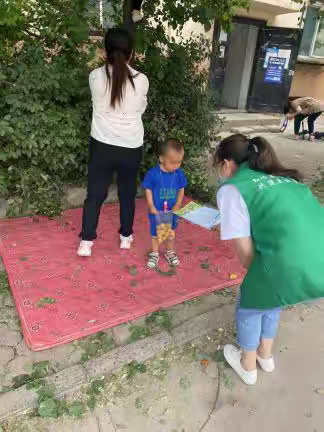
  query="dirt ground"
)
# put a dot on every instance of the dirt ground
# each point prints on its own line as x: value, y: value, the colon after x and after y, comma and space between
x: 192, y: 390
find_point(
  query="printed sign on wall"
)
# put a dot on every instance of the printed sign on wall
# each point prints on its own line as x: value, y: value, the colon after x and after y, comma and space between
x: 274, y: 70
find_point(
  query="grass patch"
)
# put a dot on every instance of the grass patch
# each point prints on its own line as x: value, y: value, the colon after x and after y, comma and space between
x: 96, y: 345
x: 171, y: 272
x: 159, y: 368
x: 4, y: 284
x: 227, y: 292
x: 138, y: 332
x: 95, y: 388
x: 35, y: 379
x: 133, y: 368
x: 161, y: 319
x: 45, y: 301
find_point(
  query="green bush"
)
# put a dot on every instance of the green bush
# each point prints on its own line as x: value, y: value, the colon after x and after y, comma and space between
x: 34, y: 192
x: 179, y: 104
x: 45, y: 107
x: 44, y: 97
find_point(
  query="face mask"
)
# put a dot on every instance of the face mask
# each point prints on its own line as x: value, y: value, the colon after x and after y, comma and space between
x: 222, y: 180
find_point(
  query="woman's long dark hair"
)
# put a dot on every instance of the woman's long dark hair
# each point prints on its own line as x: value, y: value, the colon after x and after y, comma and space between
x: 119, y: 48
x: 257, y: 152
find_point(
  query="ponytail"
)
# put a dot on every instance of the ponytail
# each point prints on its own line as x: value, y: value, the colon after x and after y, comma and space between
x: 119, y: 47
x: 257, y: 152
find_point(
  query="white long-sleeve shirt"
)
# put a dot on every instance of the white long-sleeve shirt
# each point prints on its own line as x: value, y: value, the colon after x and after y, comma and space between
x: 122, y: 125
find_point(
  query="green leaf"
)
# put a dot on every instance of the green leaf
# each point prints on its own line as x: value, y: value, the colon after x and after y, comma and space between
x: 91, y: 402
x: 46, y: 391
x: 40, y: 369
x: 132, y: 270
x: 44, y: 301
x: 160, y: 75
x: 35, y: 384
x: 77, y: 409
x: 48, y: 408
x: 161, y: 318
x: 138, y: 332
x: 20, y: 380
x: 134, y: 368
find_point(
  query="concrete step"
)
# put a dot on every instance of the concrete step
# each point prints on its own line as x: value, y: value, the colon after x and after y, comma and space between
x: 246, y: 130
x: 232, y: 120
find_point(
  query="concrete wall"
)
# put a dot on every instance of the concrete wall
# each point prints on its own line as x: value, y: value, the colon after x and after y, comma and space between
x: 289, y: 20
x: 308, y: 81
x: 239, y: 65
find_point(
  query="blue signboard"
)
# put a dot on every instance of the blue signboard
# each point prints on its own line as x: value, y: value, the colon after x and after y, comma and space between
x: 274, y: 70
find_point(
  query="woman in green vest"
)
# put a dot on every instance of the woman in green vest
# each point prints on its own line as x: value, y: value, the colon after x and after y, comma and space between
x: 277, y: 227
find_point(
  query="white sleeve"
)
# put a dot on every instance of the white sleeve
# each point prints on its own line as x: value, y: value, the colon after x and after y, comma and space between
x: 94, y: 83
x: 145, y: 88
x: 234, y: 214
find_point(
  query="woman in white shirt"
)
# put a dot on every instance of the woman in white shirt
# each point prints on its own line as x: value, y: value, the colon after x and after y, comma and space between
x: 119, y: 100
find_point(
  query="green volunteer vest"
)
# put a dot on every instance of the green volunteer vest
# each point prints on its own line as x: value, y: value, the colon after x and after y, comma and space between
x: 287, y: 227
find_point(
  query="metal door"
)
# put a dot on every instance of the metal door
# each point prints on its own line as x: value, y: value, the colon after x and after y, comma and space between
x: 274, y: 64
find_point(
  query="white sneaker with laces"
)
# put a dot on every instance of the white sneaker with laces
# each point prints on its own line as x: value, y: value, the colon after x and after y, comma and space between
x: 233, y: 358
x: 137, y: 16
x: 125, y: 242
x: 85, y: 248
x: 153, y: 260
x: 266, y: 364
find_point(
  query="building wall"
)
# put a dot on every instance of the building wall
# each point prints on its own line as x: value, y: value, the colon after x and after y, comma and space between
x: 289, y: 20
x: 308, y: 81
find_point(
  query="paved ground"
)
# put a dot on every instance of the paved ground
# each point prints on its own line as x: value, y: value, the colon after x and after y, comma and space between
x: 17, y: 359
x: 304, y: 155
x: 177, y: 393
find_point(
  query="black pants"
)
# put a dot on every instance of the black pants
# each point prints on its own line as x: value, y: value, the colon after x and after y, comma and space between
x: 104, y: 160
x: 310, y: 119
x: 137, y: 4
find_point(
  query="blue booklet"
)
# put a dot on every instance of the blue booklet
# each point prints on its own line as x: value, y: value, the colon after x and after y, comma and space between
x: 203, y: 216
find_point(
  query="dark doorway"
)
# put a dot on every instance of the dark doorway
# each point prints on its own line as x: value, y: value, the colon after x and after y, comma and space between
x: 240, y: 53
x: 274, y: 64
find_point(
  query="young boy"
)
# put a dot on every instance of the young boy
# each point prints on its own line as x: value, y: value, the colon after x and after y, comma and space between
x: 164, y: 186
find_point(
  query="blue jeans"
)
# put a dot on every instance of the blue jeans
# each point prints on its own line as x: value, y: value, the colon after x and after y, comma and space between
x: 254, y: 324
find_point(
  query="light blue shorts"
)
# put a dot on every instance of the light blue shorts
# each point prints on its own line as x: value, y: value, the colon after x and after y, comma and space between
x: 254, y: 324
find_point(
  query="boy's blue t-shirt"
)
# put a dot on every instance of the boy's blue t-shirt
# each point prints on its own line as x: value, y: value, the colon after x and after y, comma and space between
x: 165, y: 186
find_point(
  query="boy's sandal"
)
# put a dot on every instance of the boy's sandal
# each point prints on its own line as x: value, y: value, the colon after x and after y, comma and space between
x: 172, y: 258
x: 153, y: 260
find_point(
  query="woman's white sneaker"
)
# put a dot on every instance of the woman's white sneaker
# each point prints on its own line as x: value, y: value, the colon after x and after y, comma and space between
x: 125, y: 242
x: 266, y: 364
x: 85, y: 248
x: 233, y: 358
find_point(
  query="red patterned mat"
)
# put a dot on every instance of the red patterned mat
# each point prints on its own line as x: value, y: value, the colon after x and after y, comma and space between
x: 61, y: 297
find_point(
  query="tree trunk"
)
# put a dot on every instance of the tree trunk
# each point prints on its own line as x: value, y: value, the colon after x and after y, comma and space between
x: 216, y: 63
x: 128, y: 22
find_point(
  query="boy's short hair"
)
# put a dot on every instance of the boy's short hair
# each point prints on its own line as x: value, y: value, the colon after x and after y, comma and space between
x: 171, y: 143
